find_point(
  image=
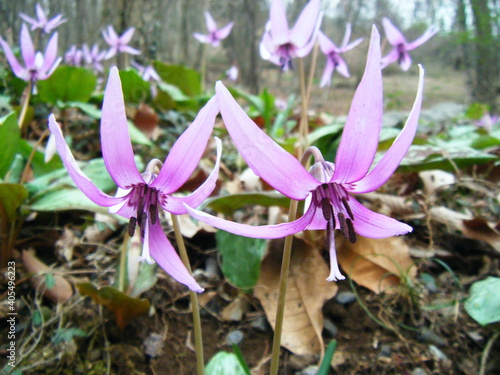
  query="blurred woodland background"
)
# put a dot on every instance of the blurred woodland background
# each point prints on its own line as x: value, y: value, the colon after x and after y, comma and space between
x: 468, y: 42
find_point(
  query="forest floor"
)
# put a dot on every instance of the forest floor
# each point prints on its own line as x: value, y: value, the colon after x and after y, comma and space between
x: 419, y: 327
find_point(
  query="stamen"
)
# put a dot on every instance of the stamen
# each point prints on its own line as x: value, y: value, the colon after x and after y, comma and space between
x: 351, y: 231
x: 343, y: 225
x: 131, y: 226
x: 347, y: 208
x: 153, y: 213
x: 327, y: 209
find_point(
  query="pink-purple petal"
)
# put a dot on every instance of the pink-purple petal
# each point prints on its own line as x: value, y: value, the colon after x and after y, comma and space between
x: 80, y: 180
x: 374, y: 225
x: 167, y: 258
x: 266, y: 158
x: 307, y: 24
x: 326, y: 78
x: 18, y: 70
x: 342, y: 67
x: 429, y: 33
x: 360, y: 136
x: 278, y: 23
x: 187, y: 150
x: 176, y: 206
x: 127, y: 35
x: 224, y: 32
x: 393, y: 35
x: 391, y: 159
x: 347, y: 35
x: 202, y: 37
x: 405, y: 61
x: 254, y: 231
x: 388, y: 59
x: 50, y: 55
x: 27, y: 48
x: 210, y: 22
x: 115, y: 139
x: 325, y: 44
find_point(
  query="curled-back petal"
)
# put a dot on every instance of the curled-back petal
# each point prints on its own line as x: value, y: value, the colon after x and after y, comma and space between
x: 325, y: 44
x: 210, y: 22
x: 326, y: 78
x: 165, y: 255
x: 429, y: 33
x: 267, y: 159
x: 374, y: 225
x: 81, y: 181
x: 202, y: 37
x: 278, y: 23
x: 176, y: 206
x: 347, y: 35
x: 18, y: 70
x: 307, y: 24
x: 391, y: 159
x: 50, y: 55
x: 115, y: 139
x: 127, y: 35
x: 393, y: 35
x: 254, y: 231
x: 224, y: 32
x: 404, y: 61
x: 389, y: 58
x: 187, y: 150
x: 361, y: 132
x: 27, y: 48
x: 130, y: 50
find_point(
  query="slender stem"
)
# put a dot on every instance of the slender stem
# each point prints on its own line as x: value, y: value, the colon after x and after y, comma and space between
x: 24, y: 176
x: 198, y: 338
x: 280, y: 310
x: 122, y: 279
x: 25, y: 105
x: 486, y: 352
x: 203, y: 67
x: 303, y: 110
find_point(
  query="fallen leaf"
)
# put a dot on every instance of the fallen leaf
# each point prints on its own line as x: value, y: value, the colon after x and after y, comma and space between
x: 436, y: 179
x: 66, y: 244
x: 235, y: 310
x: 103, y: 227
x: 124, y: 308
x: 377, y: 264
x: 306, y: 294
x: 60, y: 290
x: 146, y: 119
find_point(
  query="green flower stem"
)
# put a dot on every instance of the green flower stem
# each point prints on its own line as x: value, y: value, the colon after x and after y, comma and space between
x: 24, y: 107
x: 24, y: 175
x: 203, y: 67
x: 198, y: 337
x: 280, y: 311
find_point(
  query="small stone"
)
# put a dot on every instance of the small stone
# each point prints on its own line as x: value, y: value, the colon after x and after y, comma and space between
x: 260, y: 323
x: 437, y: 354
x: 385, y: 351
x: 427, y: 336
x: 330, y: 327
x: 344, y: 298
x: 234, y: 337
x: 309, y: 370
x: 153, y: 345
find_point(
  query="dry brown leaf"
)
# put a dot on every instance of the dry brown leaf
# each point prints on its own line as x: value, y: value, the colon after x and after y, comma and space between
x: 377, y: 264
x: 60, y: 292
x: 66, y: 244
x: 473, y: 228
x: 307, y: 292
x: 235, y: 310
x: 104, y: 226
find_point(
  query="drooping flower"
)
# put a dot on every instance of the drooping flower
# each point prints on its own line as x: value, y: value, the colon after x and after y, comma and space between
x: 401, y: 47
x: 73, y: 56
x: 232, y: 73
x: 140, y: 196
x: 37, y: 66
x: 149, y: 74
x: 333, y: 58
x: 327, y: 186
x: 214, y: 35
x: 93, y: 57
x: 279, y: 44
x: 488, y: 121
x: 42, y: 22
x: 119, y: 44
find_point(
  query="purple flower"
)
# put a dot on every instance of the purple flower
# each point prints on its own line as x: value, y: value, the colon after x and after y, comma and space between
x: 74, y: 56
x: 37, y: 67
x: 279, y: 44
x: 148, y: 73
x: 327, y: 186
x: 487, y: 121
x: 42, y: 22
x: 140, y: 196
x: 215, y: 35
x: 401, y: 47
x: 119, y: 44
x: 332, y: 52
x: 232, y: 73
x: 93, y: 57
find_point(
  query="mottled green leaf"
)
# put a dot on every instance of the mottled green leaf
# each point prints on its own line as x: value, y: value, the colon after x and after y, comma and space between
x: 224, y: 363
x: 483, y: 304
x: 67, y: 84
x: 135, y: 89
x: 9, y: 142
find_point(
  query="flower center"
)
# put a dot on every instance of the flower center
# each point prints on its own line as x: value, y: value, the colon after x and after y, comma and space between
x: 285, y: 52
x: 334, y: 202
x: 144, y: 199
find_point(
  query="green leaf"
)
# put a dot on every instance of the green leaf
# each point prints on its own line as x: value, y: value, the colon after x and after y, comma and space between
x: 241, y: 258
x: 230, y: 203
x: 138, y: 137
x: 65, y: 199
x: 50, y: 281
x: 123, y: 307
x: 9, y: 142
x: 12, y: 196
x: 224, y: 363
x: 242, y: 361
x: 38, y: 162
x: 187, y: 80
x: 135, y: 89
x: 68, y: 84
x: 483, y: 304
x: 87, y: 108
x: 67, y: 334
